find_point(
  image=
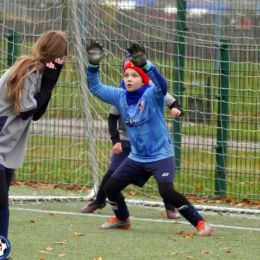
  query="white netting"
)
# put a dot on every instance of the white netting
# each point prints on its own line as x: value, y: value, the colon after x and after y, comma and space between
x: 70, y: 146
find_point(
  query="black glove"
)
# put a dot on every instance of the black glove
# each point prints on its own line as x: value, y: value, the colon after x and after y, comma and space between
x: 49, y: 78
x: 137, y: 52
x: 58, y: 68
x: 95, y: 53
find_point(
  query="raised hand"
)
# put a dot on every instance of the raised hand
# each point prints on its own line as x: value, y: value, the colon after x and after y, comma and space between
x: 58, y: 65
x: 137, y: 52
x: 49, y: 76
x: 95, y: 53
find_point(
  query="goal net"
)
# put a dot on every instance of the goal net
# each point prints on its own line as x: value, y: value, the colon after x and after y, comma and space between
x: 208, y: 52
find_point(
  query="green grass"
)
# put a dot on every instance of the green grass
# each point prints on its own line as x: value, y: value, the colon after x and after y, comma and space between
x: 33, y: 229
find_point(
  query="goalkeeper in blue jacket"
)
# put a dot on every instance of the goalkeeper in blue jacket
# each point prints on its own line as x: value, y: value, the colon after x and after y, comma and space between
x: 142, y: 110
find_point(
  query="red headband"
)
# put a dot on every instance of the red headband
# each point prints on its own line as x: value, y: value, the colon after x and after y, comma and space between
x: 143, y: 75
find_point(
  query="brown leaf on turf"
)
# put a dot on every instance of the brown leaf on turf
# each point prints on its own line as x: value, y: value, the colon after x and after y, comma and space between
x: 204, y: 252
x: 101, y: 257
x: 225, y: 248
x: 61, y: 255
x: 154, y: 197
x: 40, y: 251
x: 52, y: 214
x: 130, y: 192
x: 73, y: 187
x: 161, y: 215
x: 189, y: 235
x: 32, y: 221
x: 220, y: 213
x: 174, y: 253
x: 60, y: 243
x: 48, y: 248
x: 174, y: 239
x: 78, y: 234
x: 230, y: 199
x: 191, y: 196
x: 257, y: 204
x: 228, y: 251
x: 221, y: 198
x: 190, y: 257
x: 201, y: 201
x: 180, y: 232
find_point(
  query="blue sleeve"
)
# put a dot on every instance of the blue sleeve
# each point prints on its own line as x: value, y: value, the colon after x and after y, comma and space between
x: 105, y: 93
x: 158, y: 80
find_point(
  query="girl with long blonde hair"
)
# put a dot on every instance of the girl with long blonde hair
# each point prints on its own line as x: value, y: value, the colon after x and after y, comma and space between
x: 25, y: 92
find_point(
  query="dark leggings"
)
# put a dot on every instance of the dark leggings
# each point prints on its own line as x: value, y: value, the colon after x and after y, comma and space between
x: 114, y: 186
x: 5, y: 182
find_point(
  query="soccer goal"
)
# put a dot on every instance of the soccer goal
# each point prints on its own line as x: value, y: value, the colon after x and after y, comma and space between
x: 209, y: 54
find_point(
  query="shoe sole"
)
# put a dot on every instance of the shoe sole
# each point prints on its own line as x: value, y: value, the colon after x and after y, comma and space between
x: 124, y: 227
x: 83, y: 211
x: 209, y: 234
x: 173, y: 217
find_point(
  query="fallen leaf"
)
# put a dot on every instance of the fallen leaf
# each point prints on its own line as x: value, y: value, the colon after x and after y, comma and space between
x: 40, y: 251
x: 154, y: 197
x: 161, y: 215
x: 61, y: 255
x: 78, y: 234
x: 52, y: 214
x: 189, y: 235
x: 130, y: 192
x: 191, y: 257
x: 48, y: 248
x: 204, y: 252
x: 230, y: 199
x: 180, y: 232
x: 60, y: 243
x: 174, y: 253
x: 201, y: 201
x: 220, y: 213
x: 174, y: 239
x: 191, y: 196
x: 33, y: 221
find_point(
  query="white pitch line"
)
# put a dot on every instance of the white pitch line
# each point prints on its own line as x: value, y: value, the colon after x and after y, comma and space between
x: 139, y: 219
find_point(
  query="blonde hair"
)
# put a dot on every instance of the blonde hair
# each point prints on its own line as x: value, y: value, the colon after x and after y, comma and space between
x: 51, y: 45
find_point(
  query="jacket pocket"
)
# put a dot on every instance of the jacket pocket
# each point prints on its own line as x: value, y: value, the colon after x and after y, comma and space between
x: 3, y: 120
